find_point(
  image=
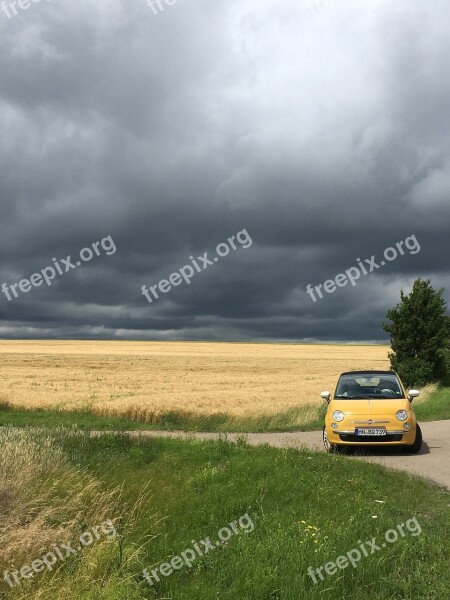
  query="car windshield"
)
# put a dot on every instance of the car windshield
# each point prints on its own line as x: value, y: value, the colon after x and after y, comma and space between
x: 369, y: 385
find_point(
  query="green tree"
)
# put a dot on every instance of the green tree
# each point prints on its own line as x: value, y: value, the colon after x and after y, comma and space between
x: 419, y: 330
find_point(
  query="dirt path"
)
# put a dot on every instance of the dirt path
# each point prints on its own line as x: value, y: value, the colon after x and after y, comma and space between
x: 432, y: 463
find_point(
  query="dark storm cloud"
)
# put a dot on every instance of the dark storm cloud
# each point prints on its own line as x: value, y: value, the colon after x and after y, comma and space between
x: 322, y: 133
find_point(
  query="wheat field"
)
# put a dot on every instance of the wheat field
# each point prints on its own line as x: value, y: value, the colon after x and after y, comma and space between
x: 149, y: 378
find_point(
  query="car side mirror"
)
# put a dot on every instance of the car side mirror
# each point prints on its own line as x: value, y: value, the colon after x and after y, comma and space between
x: 413, y: 394
x: 326, y: 396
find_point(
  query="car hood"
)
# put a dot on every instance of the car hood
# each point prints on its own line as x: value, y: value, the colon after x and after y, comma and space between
x: 370, y: 406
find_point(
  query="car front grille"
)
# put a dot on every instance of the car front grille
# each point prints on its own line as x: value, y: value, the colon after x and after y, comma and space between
x: 348, y: 437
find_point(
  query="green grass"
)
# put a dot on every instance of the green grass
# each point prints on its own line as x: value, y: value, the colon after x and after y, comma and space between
x: 297, y: 419
x: 196, y: 488
x: 55, y: 418
x: 436, y: 408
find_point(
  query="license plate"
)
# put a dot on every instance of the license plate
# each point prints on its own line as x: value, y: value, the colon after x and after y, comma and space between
x: 370, y: 432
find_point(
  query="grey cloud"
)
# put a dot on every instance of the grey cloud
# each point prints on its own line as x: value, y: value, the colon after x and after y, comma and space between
x: 323, y: 133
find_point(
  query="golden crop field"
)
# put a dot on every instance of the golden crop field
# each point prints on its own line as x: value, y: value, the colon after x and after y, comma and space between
x: 144, y: 379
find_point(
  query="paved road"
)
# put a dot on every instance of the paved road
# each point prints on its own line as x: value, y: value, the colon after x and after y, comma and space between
x: 432, y: 463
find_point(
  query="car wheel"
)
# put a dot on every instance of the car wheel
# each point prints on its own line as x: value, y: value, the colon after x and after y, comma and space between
x: 415, y: 448
x: 326, y: 443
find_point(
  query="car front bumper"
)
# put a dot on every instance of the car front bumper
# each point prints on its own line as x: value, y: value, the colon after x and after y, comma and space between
x: 393, y: 437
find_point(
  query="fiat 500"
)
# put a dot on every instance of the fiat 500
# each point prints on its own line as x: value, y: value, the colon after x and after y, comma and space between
x: 371, y: 408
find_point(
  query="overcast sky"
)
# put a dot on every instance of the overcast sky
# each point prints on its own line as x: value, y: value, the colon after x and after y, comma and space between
x: 324, y: 133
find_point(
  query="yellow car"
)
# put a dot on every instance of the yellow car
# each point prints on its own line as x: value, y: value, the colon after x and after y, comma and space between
x: 371, y: 408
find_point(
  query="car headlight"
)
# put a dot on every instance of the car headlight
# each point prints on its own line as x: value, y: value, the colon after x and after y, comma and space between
x: 338, y: 415
x: 402, y: 415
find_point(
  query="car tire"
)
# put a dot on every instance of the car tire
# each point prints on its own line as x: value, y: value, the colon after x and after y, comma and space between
x: 416, y: 447
x: 326, y: 443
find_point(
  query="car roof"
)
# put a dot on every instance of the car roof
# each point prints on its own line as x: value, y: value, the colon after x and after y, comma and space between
x: 369, y: 371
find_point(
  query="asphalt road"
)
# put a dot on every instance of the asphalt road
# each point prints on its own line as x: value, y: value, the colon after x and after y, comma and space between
x: 432, y: 463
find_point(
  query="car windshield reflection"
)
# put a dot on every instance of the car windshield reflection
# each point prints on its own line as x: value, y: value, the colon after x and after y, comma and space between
x: 367, y: 386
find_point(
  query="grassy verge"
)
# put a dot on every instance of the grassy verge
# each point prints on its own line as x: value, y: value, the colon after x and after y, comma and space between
x: 434, y: 406
x: 55, y: 418
x: 299, y: 504
x: 303, y: 418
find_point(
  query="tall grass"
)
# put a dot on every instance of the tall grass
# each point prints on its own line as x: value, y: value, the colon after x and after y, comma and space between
x: 426, y: 394
x: 295, y: 418
x: 301, y: 418
x: 45, y: 500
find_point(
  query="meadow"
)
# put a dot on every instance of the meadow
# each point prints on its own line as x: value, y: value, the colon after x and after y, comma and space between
x: 307, y: 509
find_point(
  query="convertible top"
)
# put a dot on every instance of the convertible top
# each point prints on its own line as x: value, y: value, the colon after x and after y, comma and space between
x: 369, y: 371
